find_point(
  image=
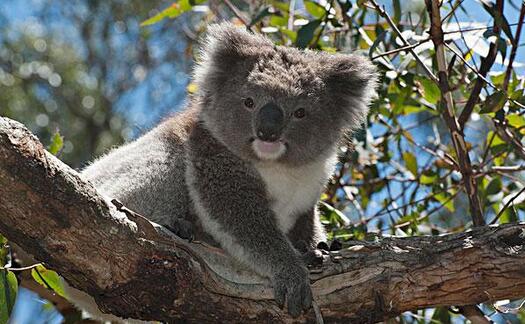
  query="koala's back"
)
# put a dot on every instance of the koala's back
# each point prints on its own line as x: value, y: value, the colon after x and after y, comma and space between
x: 148, y: 174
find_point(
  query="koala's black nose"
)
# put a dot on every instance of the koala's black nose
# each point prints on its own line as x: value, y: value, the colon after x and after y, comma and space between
x: 269, y: 122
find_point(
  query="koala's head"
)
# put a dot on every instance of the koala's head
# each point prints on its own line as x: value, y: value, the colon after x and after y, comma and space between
x: 275, y: 103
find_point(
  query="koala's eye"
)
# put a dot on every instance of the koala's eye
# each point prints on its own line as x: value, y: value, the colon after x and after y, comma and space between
x: 299, y: 113
x: 248, y: 102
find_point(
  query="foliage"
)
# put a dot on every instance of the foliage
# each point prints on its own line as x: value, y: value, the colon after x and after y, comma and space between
x: 404, y: 174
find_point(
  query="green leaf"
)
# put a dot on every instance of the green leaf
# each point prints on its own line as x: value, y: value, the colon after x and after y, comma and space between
x: 289, y: 33
x: 516, y: 120
x: 380, y: 38
x: 263, y: 13
x: 173, y: 11
x: 431, y: 91
x: 335, y: 215
x: 8, y: 290
x: 494, y: 102
x: 306, y: 33
x: 345, y: 5
x: 49, y: 279
x: 428, y: 178
x: 500, y: 19
x: 57, y: 142
x: 441, y: 315
x: 276, y: 20
x: 315, y: 9
x: 410, y: 162
x: 445, y: 200
x: 494, y: 186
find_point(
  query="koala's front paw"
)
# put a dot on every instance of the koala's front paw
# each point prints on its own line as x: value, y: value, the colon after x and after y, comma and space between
x: 292, y: 284
x: 183, y: 229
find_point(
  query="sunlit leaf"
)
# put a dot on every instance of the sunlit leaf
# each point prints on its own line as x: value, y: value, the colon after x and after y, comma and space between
x: 173, y: 11
x: 314, y: 9
x: 410, y: 162
x: 335, y: 215
x: 445, y: 200
x: 428, y: 178
x: 48, y: 278
x: 8, y: 291
x: 57, y: 142
x: 430, y: 91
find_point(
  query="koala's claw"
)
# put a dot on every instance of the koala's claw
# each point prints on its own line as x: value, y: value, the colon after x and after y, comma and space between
x: 183, y: 229
x: 293, y: 286
x: 313, y: 258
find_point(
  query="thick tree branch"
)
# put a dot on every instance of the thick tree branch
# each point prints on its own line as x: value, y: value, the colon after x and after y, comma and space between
x: 132, y: 271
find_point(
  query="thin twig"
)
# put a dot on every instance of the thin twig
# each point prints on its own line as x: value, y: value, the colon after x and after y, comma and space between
x: 452, y: 11
x: 475, y: 29
x: 21, y: 268
x: 237, y: 14
x: 483, y: 77
x: 486, y: 65
x: 514, y: 50
x: 391, y: 23
x: 400, y: 49
x: 511, y: 200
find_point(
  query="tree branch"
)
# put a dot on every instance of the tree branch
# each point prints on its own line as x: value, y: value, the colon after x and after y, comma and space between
x: 47, y: 209
x: 458, y: 140
x: 486, y: 65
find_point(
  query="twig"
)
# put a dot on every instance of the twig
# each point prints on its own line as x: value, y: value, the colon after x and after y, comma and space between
x: 474, y: 314
x: 475, y: 28
x: 514, y: 50
x: 291, y: 14
x: 391, y: 23
x: 507, y: 136
x: 483, y: 77
x: 21, y: 268
x: 511, y: 200
x: 458, y: 141
x: 506, y: 168
x: 486, y: 64
x: 323, y: 27
x: 452, y: 11
x: 401, y: 49
x: 237, y: 14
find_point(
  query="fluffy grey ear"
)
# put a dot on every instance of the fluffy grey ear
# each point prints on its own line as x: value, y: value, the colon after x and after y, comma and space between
x: 352, y: 81
x: 226, y: 46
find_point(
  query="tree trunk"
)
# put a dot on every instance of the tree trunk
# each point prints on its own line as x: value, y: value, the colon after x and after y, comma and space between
x: 136, y: 269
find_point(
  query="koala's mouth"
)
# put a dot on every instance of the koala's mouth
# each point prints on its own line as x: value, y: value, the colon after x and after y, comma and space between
x: 268, y: 150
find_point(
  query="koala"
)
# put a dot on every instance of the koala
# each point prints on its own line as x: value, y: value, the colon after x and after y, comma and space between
x: 244, y: 164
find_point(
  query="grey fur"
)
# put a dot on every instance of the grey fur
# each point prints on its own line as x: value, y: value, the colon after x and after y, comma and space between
x: 201, y: 166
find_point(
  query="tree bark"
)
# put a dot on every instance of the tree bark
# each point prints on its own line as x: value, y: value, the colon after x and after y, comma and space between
x: 136, y: 269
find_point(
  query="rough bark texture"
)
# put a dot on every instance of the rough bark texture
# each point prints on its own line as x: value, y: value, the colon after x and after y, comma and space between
x: 135, y: 269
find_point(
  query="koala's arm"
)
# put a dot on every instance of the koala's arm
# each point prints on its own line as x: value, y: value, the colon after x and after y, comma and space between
x: 230, y: 200
x: 307, y: 231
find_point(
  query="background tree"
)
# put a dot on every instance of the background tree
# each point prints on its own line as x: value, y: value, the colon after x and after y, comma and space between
x: 442, y: 150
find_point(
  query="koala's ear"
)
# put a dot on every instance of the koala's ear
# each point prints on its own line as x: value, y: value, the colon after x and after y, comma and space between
x: 351, y: 75
x: 225, y: 42
x: 351, y: 80
x: 225, y: 48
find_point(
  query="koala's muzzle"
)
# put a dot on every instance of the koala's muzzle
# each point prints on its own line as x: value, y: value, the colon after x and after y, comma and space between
x: 269, y: 122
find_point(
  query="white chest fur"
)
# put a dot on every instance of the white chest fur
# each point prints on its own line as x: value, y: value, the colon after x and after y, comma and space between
x: 294, y: 190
